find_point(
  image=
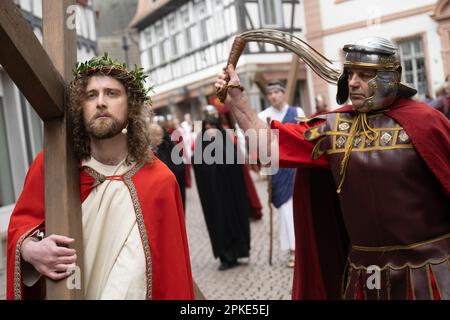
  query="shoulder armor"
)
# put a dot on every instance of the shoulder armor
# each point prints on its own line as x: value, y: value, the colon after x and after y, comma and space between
x: 315, y: 132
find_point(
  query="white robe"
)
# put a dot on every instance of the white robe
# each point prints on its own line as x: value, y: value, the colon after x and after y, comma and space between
x: 114, y: 260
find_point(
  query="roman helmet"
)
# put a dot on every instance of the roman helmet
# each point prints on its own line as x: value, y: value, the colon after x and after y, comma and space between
x: 379, y: 54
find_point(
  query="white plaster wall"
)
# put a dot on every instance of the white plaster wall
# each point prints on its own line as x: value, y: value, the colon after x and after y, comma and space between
x: 334, y: 15
x: 37, y: 8
x: 83, y: 54
x: 25, y: 4
x: 299, y: 16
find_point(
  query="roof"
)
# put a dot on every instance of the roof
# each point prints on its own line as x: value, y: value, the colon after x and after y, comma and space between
x: 148, y: 12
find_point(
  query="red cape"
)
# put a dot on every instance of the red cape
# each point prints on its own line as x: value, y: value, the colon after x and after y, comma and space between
x: 321, y: 239
x: 162, y: 213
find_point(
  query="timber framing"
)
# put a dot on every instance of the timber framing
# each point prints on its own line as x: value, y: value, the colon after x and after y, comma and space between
x: 28, y: 64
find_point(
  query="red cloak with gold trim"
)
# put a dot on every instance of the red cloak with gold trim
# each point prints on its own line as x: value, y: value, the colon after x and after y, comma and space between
x: 321, y: 239
x: 159, y: 197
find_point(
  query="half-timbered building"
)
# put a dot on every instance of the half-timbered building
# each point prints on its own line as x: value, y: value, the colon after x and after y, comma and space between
x: 184, y: 44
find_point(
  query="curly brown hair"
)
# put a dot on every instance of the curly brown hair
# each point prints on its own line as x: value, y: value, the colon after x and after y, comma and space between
x: 139, y: 144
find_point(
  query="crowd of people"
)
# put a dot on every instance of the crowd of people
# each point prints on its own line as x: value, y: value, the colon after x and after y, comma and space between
x: 441, y: 100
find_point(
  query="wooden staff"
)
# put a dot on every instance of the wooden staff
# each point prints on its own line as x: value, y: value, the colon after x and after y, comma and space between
x: 269, y: 201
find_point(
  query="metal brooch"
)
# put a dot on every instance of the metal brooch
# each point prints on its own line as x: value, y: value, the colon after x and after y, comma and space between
x: 343, y: 126
x: 403, y: 136
x: 357, y: 141
x: 340, y: 141
x: 386, y: 138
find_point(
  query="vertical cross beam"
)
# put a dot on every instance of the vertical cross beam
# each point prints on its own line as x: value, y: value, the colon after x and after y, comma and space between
x: 62, y: 189
x: 292, y: 79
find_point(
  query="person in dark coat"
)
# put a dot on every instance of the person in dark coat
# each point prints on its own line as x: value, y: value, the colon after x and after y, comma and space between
x: 222, y: 192
x: 163, y: 146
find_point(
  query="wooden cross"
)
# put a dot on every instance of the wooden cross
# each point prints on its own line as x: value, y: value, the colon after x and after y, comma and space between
x: 41, y: 73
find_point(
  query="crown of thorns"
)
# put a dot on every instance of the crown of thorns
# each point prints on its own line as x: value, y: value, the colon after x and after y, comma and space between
x: 134, y: 78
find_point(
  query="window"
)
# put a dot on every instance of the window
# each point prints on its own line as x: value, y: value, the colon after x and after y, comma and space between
x: 271, y: 13
x: 150, y: 45
x: 6, y: 182
x: 202, y: 16
x: 33, y: 129
x: 159, y: 30
x: 185, y: 21
x: 175, y: 35
x: 413, y: 64
x: 150, y: 57
x: 148, y: 36
x: 218, y: 25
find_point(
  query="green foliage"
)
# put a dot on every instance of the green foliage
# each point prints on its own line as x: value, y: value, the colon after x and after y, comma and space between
x: 97, y: 63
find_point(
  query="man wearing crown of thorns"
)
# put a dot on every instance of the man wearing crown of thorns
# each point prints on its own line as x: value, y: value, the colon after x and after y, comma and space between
x: 134, y: 237
x: 385, y: 233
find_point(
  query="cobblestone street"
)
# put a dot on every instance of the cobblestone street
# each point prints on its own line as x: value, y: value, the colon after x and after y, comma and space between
x: 254, y: 280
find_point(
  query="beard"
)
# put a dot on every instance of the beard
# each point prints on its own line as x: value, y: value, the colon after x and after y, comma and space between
x: 104, y: 128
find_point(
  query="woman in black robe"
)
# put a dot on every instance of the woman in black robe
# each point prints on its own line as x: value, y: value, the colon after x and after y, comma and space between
x: 223, y: 196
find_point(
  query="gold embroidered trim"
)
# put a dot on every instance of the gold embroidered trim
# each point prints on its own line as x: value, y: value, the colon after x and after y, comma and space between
x: 344, y: 133
x: 371, y: 146
x: 396, y: 133
x: 401, y: 247
x: 360, y: 125
x: 140, y: 221
x: 436, y: 282
x: 306, y: 119
x: 402, y: 146
x: 406, y: 265
x: 312, y: 133
x: 376, y: 148
x: 410, y: 282
x: 385, y: 65
x: 17, y: 265
x: 375, y: 129
x: 98, y: 177
x: 317, y: 152
x: 346, y: 278
x: 335, y: 129
x: 363, y: 144
x: 428, y: 276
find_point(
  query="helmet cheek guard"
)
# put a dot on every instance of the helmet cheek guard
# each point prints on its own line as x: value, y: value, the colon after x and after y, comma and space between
x: 384, y: 88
